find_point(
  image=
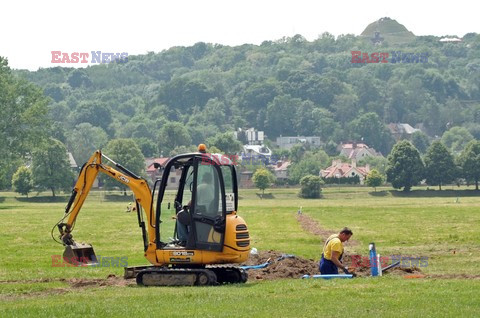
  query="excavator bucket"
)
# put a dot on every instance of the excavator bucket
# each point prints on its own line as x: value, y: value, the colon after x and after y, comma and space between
x: 80, y: 255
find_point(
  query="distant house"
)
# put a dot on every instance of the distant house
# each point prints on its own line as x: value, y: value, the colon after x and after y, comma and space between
x: 401, y: 131
x: 256, y: 154
x: 358, y: 151
x: 289, y: 142
x: 340, y: 169
x: 251, y: 136
x: 154, y: 173
x: 73, y: 163
x: 280, y: 170
x: 450, y: 40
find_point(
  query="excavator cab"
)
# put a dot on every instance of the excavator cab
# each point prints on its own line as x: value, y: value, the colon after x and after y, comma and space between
x: 204, y: 196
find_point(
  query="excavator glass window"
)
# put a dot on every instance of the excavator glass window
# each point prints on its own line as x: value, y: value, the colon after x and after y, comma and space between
x: 188, y: 186
x: 227, y: 172
x: 208, y: 213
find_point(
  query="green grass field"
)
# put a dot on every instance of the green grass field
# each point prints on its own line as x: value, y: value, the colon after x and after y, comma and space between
x: 443, y: 226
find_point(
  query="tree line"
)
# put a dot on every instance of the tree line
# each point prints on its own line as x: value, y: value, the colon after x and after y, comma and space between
x: 184, y: 95
x: 168, y: 102
x: 438, y: 167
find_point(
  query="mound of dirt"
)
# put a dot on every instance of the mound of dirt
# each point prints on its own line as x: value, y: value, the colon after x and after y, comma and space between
x: 288, y: 267
x: 364, y: 271
x: 296, y: 267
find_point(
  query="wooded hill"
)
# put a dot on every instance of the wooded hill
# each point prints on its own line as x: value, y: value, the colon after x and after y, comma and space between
x: 289, y: 86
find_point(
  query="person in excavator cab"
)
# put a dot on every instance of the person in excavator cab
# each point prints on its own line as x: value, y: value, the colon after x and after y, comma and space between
x: 205, y: 197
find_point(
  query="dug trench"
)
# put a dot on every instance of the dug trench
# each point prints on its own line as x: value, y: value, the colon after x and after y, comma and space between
x: 281, y: 266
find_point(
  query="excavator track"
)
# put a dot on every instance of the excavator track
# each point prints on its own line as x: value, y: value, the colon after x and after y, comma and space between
x: 211, y: 275
x: 229, y: 274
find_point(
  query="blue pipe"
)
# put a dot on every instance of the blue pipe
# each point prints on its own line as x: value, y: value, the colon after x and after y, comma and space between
x: 247, y: 267
x: 329, y: 276
x: 373, y: 259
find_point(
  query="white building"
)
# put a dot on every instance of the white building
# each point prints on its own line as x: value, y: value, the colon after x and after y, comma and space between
x: 289, y: 142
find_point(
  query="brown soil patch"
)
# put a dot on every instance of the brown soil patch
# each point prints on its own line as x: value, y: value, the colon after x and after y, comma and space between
x: 111, y: 280
x: 312, y: 226
x: 454, y: 276
x: 291, y: 267
x: 397, y: 271
x: 296, y: 267
x: 364, y: 271
x: 75, y: 284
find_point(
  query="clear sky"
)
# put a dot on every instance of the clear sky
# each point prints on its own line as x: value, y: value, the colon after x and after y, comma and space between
x: 32, y: 29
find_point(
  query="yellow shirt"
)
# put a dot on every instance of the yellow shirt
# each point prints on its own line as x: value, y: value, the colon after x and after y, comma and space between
x: 333, y: 244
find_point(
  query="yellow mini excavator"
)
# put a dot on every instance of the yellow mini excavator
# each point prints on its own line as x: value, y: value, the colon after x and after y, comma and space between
x: 208, y: 237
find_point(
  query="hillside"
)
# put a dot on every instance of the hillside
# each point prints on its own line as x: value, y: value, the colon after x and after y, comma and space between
x: 286, y: 87
x: 392, y: 31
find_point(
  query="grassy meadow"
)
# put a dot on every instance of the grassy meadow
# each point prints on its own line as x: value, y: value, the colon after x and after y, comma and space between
x: 441, y: 225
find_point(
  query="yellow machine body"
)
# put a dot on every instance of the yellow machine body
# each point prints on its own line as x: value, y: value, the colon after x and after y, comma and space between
x: 206, y: 203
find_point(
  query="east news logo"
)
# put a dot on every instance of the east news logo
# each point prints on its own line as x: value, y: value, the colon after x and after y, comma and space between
x: 382, y: 57
x: 96, y: 57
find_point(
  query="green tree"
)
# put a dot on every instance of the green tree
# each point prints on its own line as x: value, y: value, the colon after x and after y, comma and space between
x: 226, y: 142
x: 439, y: 165
x: 147, y: 146
x: 183, y: 94
x: 173, y: 135
x: 470, y: 162
x: 311, y: 164
x: 297, y: 152
x: 84, y: 140
x: 373, y: 132
x: 257, y: 96
x: 23, y: 122
x: 305, y: 119
x: 188, y: 149
x: 456, y: 138
x: 374, y: 179
x: 22, y: 181
x: 128, y: 154
x: 325, y: 123
x: 95, y: 113
x: 279, y: 118
x: 51, y: 167
x: 79, y: 78
x: 345, y: 106
x: 420, y: 141
x: 214, y: 113
x: 310, y: 187
x: 405, y: 167
x: 378, y: 163
x: 263, y: 178
x: 331, y: 148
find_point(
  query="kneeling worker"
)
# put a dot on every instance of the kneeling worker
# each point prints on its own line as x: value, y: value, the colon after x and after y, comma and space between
x: 333, y: 252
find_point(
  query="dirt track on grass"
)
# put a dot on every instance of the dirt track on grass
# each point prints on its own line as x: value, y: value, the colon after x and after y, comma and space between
x: 312, y: 226
x: 75, y: 284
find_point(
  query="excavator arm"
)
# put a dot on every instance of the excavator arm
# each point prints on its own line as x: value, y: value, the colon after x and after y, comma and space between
x: 83, y: 253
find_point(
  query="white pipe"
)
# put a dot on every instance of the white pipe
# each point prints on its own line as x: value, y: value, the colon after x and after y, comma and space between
x: 379, y: 266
